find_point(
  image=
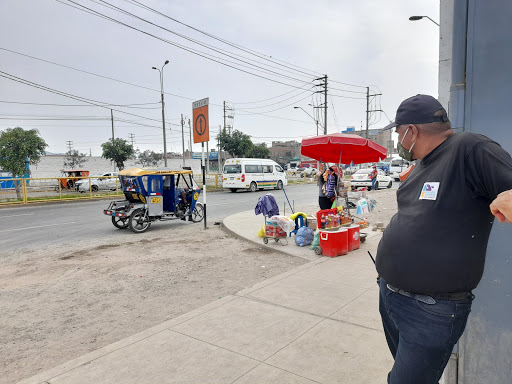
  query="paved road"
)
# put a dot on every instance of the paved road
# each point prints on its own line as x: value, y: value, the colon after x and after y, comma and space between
x: 36, y: 226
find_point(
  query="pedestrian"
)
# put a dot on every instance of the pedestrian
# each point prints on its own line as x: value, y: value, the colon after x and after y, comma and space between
x: 373, y: 176
x: 323, y: 201
x: 431, y: 255
x: 331, y: 184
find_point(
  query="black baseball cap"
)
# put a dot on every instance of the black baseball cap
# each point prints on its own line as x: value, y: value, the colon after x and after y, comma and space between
x: 419, y: 109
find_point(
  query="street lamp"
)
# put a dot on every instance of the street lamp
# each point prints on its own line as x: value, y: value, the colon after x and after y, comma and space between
x: 163, y: 106
x: 414, y: 18
x: 316, y: 121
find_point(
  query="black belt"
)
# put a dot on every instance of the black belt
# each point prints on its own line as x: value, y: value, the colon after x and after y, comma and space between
x: 431, y: 298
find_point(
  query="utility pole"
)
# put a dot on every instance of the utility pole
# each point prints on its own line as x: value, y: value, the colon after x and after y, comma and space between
x: 368, y: 110
x: 207, y: 158
x: 219, y: 157
x: 163, y: 107
x: 112, y: 120
x: 190, y: 137
x: 325, y: 104
x: 132, y: 136
x: 183, y: 138
x: 227, y: 116
x: 69, y: 143
x: 325, y: 101
x: 224, y: 116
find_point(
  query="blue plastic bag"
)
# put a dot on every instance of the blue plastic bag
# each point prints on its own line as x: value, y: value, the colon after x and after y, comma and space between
x: 304, y: 236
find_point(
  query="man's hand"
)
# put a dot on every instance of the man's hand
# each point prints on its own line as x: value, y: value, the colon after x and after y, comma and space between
x: 501, y: 207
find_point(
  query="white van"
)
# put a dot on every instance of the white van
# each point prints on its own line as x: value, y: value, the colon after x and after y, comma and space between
x: 396, y: 167
x: 252, y: 174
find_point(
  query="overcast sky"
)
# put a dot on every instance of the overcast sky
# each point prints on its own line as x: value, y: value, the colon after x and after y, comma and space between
x: 287, y: 43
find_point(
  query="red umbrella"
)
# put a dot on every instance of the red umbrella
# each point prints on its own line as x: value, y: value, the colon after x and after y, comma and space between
x: 342, y: 148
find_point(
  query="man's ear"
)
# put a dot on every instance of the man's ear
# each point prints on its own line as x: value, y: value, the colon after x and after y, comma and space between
x: 415, y: 132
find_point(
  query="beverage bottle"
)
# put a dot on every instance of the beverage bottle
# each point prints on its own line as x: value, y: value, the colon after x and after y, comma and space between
x: 322, y: 222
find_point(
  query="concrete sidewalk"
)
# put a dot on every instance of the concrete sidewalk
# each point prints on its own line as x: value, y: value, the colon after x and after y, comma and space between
x: 318, y: 323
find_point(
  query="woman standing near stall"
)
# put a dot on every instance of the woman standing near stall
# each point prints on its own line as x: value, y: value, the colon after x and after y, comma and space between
x: 323, y: 201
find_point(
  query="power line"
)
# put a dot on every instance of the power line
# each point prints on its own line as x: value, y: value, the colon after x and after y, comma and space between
x: 279, y: 102
x: 188, y: 49
x: 271, y: 98
x: 82, y: 105
x: 208, y: 46
x: 93, y: 74
x: 64, y: 94
x: 237, y: 46
x: 286, y: 106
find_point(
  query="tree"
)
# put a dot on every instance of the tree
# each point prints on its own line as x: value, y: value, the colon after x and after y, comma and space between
x: 259, y: 151
x: 238, y: 144
x: 149, y: 158
x: 16, y: 147
x: 74, y: 159
x: 117, y: 150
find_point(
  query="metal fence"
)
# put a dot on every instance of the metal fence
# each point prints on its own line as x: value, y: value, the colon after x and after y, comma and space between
x: 44, y: 189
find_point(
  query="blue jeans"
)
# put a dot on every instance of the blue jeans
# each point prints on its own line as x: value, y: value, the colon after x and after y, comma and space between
x: 373, y: 183
x: 420, y: 336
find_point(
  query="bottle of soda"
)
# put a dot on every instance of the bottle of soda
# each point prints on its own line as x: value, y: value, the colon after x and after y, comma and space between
x: 322, y: 222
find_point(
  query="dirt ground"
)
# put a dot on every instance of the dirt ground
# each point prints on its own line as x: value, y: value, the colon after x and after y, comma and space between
x: 58, y: 304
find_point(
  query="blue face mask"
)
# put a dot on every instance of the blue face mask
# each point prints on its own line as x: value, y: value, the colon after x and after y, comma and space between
x: 402, y: 152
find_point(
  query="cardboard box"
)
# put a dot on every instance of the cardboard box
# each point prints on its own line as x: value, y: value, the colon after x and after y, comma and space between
x: 312, y: 223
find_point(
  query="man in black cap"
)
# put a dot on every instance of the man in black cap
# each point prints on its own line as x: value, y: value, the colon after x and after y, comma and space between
x: 432, y: 254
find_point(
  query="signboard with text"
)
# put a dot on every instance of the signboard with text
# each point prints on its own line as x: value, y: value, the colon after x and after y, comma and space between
x: 200, y: 119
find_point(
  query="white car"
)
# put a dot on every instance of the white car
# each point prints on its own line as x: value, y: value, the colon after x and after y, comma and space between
x: 362, y: 179
x: 103, y: 181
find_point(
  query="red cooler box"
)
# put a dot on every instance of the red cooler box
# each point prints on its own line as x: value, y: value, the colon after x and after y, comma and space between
x: 353, y: 237
x: 334, y: 243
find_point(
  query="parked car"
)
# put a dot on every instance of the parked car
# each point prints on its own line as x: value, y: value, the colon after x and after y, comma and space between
x: 398, y: 166
x: 362, y: 179
x: 309, y: 172
x: 102, y: 181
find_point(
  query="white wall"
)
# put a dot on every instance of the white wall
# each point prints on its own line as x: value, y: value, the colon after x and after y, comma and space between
x: 50, y: 166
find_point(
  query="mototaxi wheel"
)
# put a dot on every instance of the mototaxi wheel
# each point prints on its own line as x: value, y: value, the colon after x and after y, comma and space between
x: 120, y: 222
x: 198, y: 213
x: 139, y: 222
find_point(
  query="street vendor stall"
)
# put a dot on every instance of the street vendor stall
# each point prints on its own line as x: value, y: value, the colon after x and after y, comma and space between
x: 340, y: 148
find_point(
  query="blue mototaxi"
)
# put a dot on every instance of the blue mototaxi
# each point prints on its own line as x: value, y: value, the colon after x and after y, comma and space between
x: 155, y: 194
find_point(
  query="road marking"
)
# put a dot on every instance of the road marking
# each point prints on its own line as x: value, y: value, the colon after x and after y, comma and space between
x: 22, y: 214
x: 40, y: 226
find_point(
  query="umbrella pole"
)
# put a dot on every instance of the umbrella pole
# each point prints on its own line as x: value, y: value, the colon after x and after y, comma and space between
x: 288, y: 200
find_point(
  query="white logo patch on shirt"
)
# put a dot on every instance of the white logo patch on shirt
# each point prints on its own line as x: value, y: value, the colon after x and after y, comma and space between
x: 429, y: 191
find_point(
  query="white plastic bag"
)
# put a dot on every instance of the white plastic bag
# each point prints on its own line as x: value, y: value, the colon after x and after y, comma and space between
x: 284, y: 222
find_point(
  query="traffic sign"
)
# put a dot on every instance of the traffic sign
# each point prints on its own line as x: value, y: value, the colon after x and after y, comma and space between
x: 200, y: 118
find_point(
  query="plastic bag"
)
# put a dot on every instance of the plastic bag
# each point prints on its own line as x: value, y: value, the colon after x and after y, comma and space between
x: 261, y: 232
x: 316, y: 240
x: 284, y: 222
x: 304, y: 236
x: 362, y: 207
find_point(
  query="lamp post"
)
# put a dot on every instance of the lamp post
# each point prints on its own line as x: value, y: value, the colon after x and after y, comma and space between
x: 414, y: 18
x: 316, y: 121
x: 163, y: 107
